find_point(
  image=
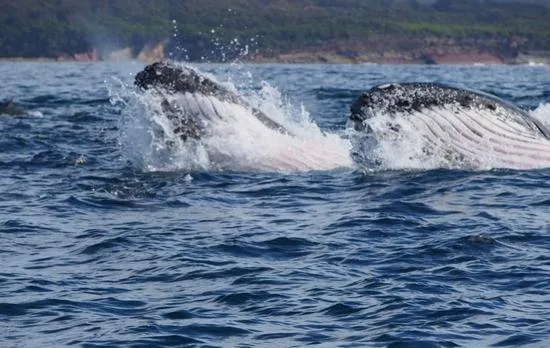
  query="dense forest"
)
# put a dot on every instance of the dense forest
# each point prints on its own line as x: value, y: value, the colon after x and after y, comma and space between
x: 214, y: 30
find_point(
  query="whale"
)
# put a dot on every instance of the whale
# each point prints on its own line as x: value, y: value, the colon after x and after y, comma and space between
x: 469, y: 125
x: 10, y: 108
x: 201, y: 107
x: 198, y: 123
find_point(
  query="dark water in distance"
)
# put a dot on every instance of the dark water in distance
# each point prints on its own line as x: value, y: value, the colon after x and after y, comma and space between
x: 95, y: 252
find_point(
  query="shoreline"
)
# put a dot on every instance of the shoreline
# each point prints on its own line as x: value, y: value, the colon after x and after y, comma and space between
x: 328, y: 58
x: 423, y: 52
x: 53, y: 61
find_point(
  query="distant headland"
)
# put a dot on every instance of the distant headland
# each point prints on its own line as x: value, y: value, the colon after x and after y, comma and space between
x: 280, y: 31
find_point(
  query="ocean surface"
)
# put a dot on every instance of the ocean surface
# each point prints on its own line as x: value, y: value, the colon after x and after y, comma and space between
x: 104, y: 245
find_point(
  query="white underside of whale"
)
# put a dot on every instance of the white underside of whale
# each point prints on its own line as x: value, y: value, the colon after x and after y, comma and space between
x: 232, y: 138
x: 456, y: 136
x: 236, y: 138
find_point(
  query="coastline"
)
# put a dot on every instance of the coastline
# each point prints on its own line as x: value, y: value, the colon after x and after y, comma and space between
x: 308, y: 57
x: 427, y: 51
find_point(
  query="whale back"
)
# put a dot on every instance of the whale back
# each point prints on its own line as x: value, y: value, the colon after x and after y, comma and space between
x: 9, y: 107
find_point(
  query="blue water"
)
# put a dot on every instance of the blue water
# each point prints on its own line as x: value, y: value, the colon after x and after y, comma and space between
x: 96, y: 252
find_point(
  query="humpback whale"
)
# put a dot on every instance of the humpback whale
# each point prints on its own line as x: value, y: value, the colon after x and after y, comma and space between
x: 470, y: 125
x: 191, y: 120
x: 203, y: 124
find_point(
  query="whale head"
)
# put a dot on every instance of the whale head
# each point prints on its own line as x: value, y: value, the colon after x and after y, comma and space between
x: 191, y: 101
x: 413, y: 99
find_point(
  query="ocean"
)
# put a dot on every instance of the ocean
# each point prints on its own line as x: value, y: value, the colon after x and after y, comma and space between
x: 108, y: 240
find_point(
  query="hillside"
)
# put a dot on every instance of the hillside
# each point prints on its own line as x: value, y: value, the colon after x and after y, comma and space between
x: 354, y: 30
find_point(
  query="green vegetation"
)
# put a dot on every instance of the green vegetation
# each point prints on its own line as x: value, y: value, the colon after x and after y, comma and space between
x: 33, y: 28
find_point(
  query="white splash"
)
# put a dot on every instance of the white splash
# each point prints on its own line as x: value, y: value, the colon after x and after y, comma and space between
x: 239, y: 141
x: 542, y: 113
